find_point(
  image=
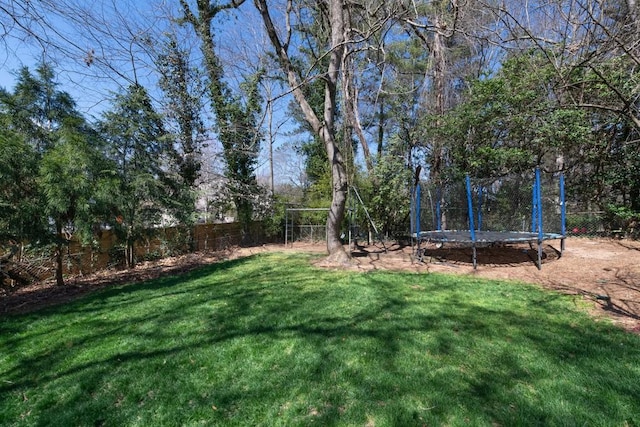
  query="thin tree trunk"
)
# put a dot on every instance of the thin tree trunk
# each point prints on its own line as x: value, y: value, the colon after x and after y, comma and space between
x: 59, y: 255
x: 381, y: 128
x: 129, y: 251
x: 350, y: 93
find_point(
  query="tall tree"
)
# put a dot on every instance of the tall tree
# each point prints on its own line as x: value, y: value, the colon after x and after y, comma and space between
x: 323, y: 126
x: 138, y: 146
x: 67, y: 177
x: 183, y: 89
x: 241, y: 143
x: 61, y: 158
x: 451, y: 33
x: 237, y: 114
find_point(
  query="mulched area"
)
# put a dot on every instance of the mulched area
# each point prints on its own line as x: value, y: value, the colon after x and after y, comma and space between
x: 39, y: 295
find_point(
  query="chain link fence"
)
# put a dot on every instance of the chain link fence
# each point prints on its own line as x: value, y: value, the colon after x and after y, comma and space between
x: 589, y: 224
x: 602, y: 224
x: 307, y: 225
x: 21, y: 264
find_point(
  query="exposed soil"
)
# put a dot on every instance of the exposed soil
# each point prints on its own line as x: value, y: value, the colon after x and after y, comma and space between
x: 604, y: 272
x: 39, y: 295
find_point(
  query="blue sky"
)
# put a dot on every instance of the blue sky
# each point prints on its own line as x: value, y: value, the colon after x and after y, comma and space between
x: 112, y: 25
x: 10, y: 62
x: 92, y: 86
x: 59, y: 40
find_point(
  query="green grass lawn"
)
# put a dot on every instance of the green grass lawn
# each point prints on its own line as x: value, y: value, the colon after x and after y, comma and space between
x: 270, y: 340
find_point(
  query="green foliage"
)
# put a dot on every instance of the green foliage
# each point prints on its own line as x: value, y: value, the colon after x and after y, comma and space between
x: 624, y: 219
x: 76, y: 181
x: 37, y: 109
x: 390, y: 198
x: 608, y: 167
x: 50, y: 165
x: 237, y: 114
x: 183, y: 88
x: 317, y: 192
x: 20, y: 197
x: 618, y: 166
x: 269, y: 340
x: 316, y: 163
x: 621, y: 212
x: 273, y: 222
x: 66, y: 178
x: 513, y: 121
x: 506, y: 123
x: 237, y: 124
x: 137, y: 146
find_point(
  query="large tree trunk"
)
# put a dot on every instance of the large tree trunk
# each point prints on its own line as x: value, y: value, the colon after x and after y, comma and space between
x: 325, y: 129
x: 439, y: 83
x: 338, y: 201
x: 338, y: 171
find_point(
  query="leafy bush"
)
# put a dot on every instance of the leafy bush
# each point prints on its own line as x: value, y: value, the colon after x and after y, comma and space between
x: 584, y: 223
x: 624, y: 219
x: 274, y: 217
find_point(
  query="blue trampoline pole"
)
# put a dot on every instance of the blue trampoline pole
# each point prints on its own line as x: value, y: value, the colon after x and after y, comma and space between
x: 418, y: 196
x: 418, y: 207
x: 412, y: 214
x: 471, y: 225
x: 539, y: 204
x: 539, y: 211
x: 480, y: 194
x: 534, y: 208
x: 438, y: 212
x: 563, y: 214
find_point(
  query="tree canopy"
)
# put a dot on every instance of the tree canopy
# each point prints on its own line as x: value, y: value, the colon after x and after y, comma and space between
x: 377, y: 89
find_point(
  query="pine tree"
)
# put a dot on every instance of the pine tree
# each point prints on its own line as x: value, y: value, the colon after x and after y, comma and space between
x: 49, y: 168
x: 138, y: 146
x: 66, y: 177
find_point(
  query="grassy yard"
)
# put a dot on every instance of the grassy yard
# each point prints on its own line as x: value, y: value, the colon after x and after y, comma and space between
x: 268, y: 340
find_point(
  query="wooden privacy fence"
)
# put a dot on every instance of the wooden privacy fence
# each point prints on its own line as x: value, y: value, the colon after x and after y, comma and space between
x: 108, y: 252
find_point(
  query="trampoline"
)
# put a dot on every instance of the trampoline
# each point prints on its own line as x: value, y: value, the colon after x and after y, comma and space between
x: 464, y: 236
x: 476, y: 217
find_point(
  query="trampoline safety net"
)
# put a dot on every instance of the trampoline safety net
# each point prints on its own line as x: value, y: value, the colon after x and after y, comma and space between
x: 518, y: 207
x: 499, y: 204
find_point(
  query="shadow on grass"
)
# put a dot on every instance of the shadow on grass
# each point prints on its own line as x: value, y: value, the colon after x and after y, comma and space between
x: 270, y: 341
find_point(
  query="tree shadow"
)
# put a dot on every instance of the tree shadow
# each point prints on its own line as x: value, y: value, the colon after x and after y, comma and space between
x: 316, y: 347
x: 493, y: 254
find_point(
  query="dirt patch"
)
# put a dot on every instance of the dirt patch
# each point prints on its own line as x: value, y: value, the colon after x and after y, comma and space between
x: 604, y: 272
x: 39, y: 295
